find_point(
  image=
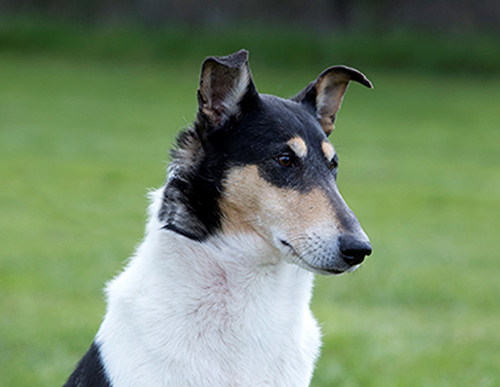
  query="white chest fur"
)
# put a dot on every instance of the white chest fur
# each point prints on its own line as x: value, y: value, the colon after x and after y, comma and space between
x: 218, y: 313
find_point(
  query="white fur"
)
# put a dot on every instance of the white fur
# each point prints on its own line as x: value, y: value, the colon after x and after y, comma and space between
x: 224, y: 312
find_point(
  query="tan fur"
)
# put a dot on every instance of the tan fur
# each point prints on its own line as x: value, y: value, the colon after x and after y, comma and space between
x: 328, y: 150
x: 250, y: 203
x: 298, y: 145
x: 330, y: 90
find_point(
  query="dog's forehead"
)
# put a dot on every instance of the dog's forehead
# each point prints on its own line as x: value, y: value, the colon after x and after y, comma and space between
x: 285, y: 119
x: 267, y: 129
x: 294, y: 118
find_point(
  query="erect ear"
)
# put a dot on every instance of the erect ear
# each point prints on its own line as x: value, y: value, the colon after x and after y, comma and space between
x: 224, y: 82
x: 325, y: 94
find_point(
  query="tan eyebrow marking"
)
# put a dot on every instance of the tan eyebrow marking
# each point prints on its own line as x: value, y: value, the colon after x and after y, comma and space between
x: 328, y: 150
x: 298, y: 145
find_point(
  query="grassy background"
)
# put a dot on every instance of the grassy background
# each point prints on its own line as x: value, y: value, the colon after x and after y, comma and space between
x: 82, y: 137
x: 287, y: 48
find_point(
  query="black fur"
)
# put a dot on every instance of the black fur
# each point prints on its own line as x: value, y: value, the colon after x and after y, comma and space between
x: 89, y: 371
x: 257, y: 137
x: 251, y: 131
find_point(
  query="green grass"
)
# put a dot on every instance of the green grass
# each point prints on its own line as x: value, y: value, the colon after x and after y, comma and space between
x: 81, y: 141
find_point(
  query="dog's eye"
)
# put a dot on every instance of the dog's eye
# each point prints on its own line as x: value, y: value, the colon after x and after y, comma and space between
x: 285, y: 160
x: 334, y: 163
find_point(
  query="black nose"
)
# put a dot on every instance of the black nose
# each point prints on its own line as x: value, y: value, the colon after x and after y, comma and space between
x: 353, y: 249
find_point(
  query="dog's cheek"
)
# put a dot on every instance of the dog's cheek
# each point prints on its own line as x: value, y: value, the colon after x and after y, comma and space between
x: 251, y: 204
x: 241, y: 200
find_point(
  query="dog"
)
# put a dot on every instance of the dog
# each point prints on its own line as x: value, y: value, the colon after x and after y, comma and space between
x: 218, y: 292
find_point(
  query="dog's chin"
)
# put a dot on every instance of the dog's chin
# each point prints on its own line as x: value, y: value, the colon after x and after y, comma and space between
x: 323, y: 270
x: 332, y: 268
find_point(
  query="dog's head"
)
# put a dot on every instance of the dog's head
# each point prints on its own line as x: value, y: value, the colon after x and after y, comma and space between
x: 260, y: 164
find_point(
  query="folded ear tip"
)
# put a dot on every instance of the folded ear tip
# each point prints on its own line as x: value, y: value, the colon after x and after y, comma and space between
x: 358, y: 76
x: 243, y: 52
x: 351, y: 73
x: 367, y: 83
x: 239, y: 57
x: 364, y: 80
x: 235, y: 60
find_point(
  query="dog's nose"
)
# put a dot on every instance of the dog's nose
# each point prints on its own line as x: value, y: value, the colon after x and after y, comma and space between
x: 353, y: 249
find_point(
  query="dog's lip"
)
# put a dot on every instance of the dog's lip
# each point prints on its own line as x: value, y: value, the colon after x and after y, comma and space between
x: 285, y: 243
x: 308, y: 265
x: 320, y: 270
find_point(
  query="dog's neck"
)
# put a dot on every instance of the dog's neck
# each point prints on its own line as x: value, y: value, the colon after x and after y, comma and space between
x: 224, y: 300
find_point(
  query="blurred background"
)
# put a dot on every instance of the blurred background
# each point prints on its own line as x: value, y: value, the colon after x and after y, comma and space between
x: 93, y: 92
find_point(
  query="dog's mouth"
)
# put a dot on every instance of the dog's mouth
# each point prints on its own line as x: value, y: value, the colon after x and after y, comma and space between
x: 315, y: 269
x: 285, y: 243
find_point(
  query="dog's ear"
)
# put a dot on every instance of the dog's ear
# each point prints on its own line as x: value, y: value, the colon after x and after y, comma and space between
x: 324, y: 95
x: 224, y: 82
